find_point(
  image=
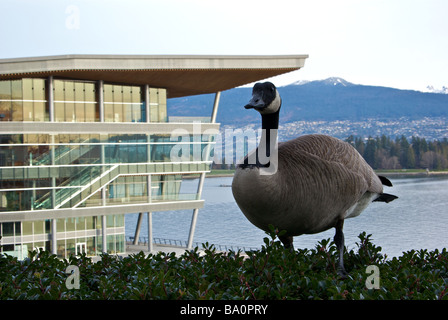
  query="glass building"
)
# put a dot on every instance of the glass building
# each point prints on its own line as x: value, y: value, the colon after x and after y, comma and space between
x: 85, y: 140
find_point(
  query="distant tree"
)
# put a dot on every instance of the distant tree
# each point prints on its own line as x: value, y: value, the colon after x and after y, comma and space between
x: 351, y: 140
x: 393, y: 148
x: 385, y: 153
x: 359, y: 145
x: 428, y: 160
x: 369, y: 152
x: 392, y: 163
x: 410, y: 158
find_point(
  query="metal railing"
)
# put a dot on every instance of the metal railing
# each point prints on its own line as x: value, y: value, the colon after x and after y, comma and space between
x: 182, y: 243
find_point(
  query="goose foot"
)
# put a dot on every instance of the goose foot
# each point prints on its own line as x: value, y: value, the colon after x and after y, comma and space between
x: 342, y: 273
x: 287, y: 242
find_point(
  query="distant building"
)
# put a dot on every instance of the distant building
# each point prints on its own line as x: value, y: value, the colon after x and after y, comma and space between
x: 85, y: 139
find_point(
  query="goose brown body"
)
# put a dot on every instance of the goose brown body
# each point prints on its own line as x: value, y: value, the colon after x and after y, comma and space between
x: 319, y: 180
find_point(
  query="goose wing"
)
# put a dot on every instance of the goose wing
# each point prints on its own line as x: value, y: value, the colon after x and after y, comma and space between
x: 337, y: 153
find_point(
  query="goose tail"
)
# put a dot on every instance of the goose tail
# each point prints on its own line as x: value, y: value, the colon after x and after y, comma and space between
x: 386, y: 197
x: 385, y: 181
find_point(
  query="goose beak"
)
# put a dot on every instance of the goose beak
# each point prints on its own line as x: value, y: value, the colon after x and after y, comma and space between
x: 256, y: 102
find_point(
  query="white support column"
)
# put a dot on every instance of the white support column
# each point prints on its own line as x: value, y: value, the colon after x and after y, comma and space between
x: 54, y: 238
x: 147, y: 107
x: 103, y: 196
x: 215, y: 107
x: 101, y: 99
x: 150, y: 246
x: 50, y: 98
x: 104, y: 233
x: 100, y: 86
x: 53, y: 179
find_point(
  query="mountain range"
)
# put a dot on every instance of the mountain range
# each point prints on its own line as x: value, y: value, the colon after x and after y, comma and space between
x: 329, y: 100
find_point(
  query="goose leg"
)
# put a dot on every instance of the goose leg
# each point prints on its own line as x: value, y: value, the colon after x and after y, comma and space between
x: 287, y: 242
x: 339, y: 241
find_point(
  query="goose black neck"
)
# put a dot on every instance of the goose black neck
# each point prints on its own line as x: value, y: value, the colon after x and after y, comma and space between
x: 269, y: 125
x: 270, y: 121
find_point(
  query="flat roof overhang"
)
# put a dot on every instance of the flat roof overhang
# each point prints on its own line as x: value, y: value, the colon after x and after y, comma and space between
x: 181, y: 75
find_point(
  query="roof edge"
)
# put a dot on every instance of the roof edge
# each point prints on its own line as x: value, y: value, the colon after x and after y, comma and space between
x: 146, y: 56
x: 189, y: 74
x: 148, y: 62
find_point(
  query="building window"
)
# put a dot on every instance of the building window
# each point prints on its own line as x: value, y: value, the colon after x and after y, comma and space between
x: 75, y: 101
x: 124, y: 148
x: 128, y: 189
x: 123, y: 104
x: 24, y: 149
x: 115, y: 243
x: 157, y: 105
x: 23, y: 100
x: 7, y: 229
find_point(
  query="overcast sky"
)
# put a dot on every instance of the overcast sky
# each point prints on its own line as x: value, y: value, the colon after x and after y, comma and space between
x: 396, y: 43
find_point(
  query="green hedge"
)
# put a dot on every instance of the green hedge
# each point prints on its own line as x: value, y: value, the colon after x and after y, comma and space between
x: 269, y: 273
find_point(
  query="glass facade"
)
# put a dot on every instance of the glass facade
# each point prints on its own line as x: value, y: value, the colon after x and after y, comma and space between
x: 23, y: 100
x: 59, y: 167
x: 123, y: 104
x: 51, y: 171
x: 78, y: 101
x: 75, y: 101
x: 157, y: 105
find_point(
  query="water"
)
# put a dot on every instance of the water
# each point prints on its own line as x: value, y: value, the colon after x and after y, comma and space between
x: 417, y: 220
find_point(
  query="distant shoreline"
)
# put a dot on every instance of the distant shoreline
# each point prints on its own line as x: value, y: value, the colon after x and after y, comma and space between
x: 219, y: 175
x: 421, y: 173
x: 410, y: 172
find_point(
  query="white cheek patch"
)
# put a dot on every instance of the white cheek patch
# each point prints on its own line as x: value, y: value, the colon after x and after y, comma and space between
x: 273, y: 106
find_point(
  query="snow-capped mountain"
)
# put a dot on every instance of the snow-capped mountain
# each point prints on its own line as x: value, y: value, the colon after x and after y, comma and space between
x: 334, y: 81
x: 431, y: 89
x: 337, y: 81
x: 299, y: 83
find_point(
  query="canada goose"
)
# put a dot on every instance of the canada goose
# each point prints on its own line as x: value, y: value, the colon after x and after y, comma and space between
x: 305, y: 185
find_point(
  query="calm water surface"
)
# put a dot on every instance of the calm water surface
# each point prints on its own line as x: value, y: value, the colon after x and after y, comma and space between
x: 417, y: 220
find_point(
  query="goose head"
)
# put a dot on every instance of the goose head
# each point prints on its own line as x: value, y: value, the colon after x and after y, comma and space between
x: 265, y: 98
